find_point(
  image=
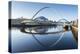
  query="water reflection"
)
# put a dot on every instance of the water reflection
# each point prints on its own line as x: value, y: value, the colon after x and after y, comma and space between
x: 38, y: 31
x: 41, y: 38
x: 42, y: 29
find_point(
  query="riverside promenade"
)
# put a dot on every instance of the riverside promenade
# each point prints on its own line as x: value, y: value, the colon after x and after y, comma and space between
x: 74, y: 30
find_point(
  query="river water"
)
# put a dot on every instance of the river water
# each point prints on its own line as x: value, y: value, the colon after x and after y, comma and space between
x: 41, y: 38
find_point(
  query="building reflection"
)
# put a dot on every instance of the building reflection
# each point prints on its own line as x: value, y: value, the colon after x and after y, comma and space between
x: 44, y: 29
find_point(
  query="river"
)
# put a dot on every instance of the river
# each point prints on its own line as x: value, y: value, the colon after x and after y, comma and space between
x: 41, y: 38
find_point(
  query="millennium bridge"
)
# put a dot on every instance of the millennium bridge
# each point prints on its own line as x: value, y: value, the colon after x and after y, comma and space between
x: 61, y: 22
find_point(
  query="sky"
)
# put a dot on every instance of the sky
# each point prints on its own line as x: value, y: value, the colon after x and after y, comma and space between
x: 54, y: 12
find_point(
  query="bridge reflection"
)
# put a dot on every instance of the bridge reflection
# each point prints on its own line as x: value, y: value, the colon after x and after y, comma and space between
x: 56, y: 30
x: 44, y: 29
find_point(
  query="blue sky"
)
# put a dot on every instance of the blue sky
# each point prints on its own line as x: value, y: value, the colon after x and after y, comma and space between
x: 54, y: 12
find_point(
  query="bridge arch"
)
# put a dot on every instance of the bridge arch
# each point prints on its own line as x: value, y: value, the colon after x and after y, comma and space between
x: 35, y: 14
x: 39, y: 11
x: 62, y: 19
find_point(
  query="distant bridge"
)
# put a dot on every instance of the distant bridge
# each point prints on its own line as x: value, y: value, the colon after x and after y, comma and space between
x: 62, y: 19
